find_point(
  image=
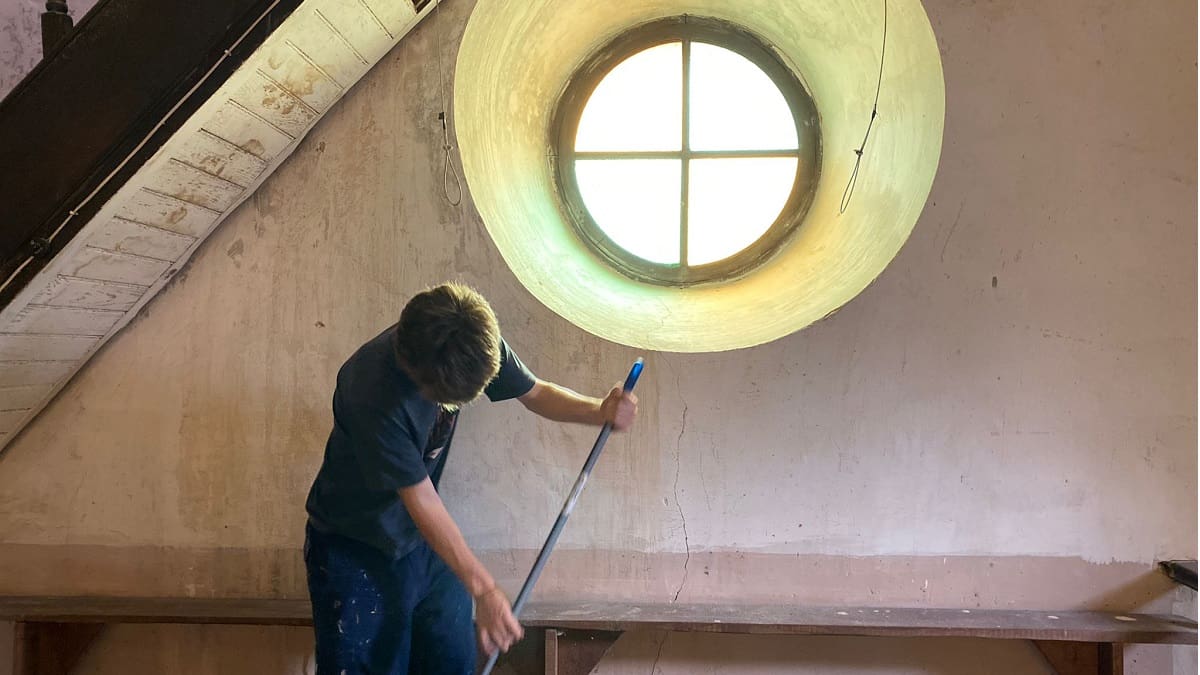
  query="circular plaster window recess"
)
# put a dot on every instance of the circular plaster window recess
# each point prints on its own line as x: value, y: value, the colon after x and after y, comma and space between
x: 516, y: 61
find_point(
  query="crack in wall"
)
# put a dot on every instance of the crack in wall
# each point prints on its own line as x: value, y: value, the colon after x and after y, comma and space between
x: 658, y: 656
x: 686, y: 542
x: 700, y: 472
x: 687, y: 545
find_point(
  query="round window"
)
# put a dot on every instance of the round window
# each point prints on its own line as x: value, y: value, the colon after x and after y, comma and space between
x: 686, y: 151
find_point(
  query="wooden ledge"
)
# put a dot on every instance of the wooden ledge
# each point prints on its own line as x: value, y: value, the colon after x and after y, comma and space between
x: 52, y: 632
x: 1074, y: 626
x: 88, y: 609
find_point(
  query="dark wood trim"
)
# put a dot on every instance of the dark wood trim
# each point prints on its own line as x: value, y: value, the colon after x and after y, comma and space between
x: 253, y: 611
x: 1083, y: 658
x: 576, y: 652
x: 527, y: 656
x: 550, y: 640
x: 56, y: 25
x: 97, y: 96
x: 1112, y: 658
x: 51, y: 648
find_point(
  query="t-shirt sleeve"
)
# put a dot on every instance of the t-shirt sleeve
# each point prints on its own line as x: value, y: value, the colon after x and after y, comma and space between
x: 514, y: 379
x: 387, y: 450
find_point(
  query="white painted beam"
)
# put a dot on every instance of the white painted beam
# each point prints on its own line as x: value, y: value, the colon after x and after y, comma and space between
x: 154, y: 222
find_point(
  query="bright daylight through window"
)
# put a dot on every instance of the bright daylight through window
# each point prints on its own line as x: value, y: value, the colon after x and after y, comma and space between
x: 689, y: 161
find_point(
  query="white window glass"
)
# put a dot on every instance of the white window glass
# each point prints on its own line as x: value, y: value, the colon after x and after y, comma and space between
x: 638, y: 105
x: 734, y: 105
x: 635, y: 202
x: 734, y: 201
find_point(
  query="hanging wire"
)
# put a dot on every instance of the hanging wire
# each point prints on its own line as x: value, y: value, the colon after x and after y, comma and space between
x: 448, y: 167
x: 849, y: 192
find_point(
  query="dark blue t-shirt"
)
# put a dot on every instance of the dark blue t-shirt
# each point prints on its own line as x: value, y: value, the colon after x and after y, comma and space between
x: 385, y: 437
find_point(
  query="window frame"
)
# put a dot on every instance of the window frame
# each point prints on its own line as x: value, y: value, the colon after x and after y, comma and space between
x: 685, y: 29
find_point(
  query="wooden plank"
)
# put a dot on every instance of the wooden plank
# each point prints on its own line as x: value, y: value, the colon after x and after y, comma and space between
x: 102, y: 265
x: 896, y: 622
x: 1071, y: 658
x: 1112, y: 658
x: 1083, y: 658
x: 64, y: 320
x: 288, y: 67
x: 616, y: 617
x: 75, y: 292
x: 551, y: 667
x: 255, y: 611
x: 51, y: 648
x: 359, y: 27
x: 222, y: 158
x: 318, y: 42
x: 190, y: 184
x: 576, y: 652
x: 11, y: 419
x: 395, y: 16
x: 265, y: 98
x: 234, y: 123
x: 16, y: 373
x: 127, y: 236
x: 24, y: 396
x: 168, y: 213
x: 526, y: 656
x: 22, y: 347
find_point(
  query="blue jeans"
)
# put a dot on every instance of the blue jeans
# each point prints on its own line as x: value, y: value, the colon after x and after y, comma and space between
x: 383, y: 616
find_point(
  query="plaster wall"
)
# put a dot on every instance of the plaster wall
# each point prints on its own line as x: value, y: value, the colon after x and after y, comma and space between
x: 1005, y: 418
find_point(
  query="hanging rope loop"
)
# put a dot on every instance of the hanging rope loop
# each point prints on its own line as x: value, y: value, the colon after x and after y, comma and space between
x: 448, y: 167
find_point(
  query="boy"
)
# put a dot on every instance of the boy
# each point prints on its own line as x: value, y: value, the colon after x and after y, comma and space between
x: 390, y: 576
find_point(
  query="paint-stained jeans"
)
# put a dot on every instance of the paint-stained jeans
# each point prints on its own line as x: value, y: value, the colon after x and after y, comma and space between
x: 376, y: 615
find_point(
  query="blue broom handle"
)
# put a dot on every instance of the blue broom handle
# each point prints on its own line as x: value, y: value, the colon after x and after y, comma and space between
x: 565, y: 513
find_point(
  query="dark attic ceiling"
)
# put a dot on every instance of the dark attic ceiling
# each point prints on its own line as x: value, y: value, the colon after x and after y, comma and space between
x: 133, y: 139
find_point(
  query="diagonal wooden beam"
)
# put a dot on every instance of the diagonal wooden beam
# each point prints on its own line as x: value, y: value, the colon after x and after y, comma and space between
x: 576, y: 652
x: 1083, y: 658
x: 51, y: 648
